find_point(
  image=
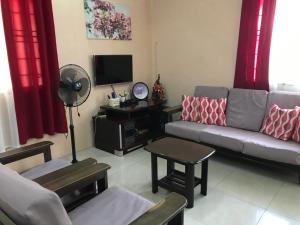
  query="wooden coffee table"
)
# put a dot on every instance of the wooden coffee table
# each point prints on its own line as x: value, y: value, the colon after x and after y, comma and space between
x: 183, y: 152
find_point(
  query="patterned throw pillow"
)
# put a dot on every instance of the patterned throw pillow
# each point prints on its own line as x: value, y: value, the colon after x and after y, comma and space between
x: 214, y: 112
x: 296, y: 135
x: 194, y: 115
x: 186, y: 107
x: 280, y: 123
x: 203, y: 109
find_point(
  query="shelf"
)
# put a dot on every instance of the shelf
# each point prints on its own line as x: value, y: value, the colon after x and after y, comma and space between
x: 117, y: 131
x: 176, y: 181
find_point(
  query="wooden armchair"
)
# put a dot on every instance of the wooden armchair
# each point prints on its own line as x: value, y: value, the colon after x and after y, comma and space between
x: 29, y: 203
x: 75, y: 184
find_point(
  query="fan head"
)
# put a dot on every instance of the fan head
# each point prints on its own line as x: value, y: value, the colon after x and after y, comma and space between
x: 74, y: 86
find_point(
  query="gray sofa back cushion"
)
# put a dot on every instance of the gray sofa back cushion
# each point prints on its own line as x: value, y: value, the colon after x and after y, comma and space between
x: 246, y: 108
x: 212, y: 92
x: 285, y: 100
x: 27, y: 203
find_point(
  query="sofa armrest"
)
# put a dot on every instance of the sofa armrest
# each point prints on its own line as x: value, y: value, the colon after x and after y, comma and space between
x: 74, y: 177
x: 27, y: 151
x: 171, y: 110
x: 170, y: 210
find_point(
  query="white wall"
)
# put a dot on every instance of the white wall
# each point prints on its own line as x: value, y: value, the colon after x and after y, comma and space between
x: 194, y: 43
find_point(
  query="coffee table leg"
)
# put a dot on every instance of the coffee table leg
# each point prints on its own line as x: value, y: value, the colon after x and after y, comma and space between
x: 204, y: 172
x: 190, y: 175
x: 154, y: 173
x: 170, y: 166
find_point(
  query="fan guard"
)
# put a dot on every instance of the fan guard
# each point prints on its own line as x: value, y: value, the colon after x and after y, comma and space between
x: 74, y: 85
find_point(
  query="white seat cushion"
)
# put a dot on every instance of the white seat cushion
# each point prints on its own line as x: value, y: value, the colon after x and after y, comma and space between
x: 185, y: 129
x: 45, y: 168
x: 266, y: 147
x: 115, y: 206
x: 227, y: 137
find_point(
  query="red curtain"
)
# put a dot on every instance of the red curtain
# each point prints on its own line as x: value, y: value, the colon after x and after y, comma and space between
x: 32, y: 54
x: 252, y: 64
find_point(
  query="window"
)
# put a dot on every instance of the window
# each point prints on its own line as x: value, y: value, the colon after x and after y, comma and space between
x: 8, y: 122
x: 5, y: 84
x: 284, y: 58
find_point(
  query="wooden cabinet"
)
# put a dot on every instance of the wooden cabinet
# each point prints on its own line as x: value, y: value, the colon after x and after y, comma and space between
x: 119, y: 130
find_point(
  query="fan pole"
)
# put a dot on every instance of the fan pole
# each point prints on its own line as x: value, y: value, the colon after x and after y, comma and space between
x: 72, y: 136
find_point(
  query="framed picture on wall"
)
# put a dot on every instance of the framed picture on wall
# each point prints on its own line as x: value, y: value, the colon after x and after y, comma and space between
x: 107, y: 20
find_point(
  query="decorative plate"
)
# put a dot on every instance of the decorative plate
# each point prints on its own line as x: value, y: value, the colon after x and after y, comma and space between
x: 140, y: 91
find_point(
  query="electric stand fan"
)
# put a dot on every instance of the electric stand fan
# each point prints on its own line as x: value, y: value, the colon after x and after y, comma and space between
x: 74, y: 89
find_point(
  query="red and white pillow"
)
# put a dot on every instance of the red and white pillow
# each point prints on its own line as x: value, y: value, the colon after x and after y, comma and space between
x: 280, y: 123
x: 204, y: 110
x: 186, y: 107
x: 194, y: 115
x: 192, y: 107
x: 213, y: 112
x: 296, y: 135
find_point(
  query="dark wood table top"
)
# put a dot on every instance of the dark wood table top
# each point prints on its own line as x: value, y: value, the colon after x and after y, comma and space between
x: 140, y: 105
x: 180, y: 150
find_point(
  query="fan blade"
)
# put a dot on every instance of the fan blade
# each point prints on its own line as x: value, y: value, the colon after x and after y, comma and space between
x: 65, y: 85
x: 68, y: 75
x: 85, y: 86
x: 68, y: 96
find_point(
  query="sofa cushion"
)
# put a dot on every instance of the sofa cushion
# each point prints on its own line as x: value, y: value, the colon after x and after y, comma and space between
x: 186, y: 107
x: 115, y: 206
x: 185, y: 129
x: 227, y: 137
x: 194, y: 114
x: 211, y: 92
x: 285, y: 100
x: 280, y: 123
x: 246, y: 108
x: 202, y: 110
x: 45, y: 168
x: 214, y: 112
x: 296, y: 134
x: 27, y: 203
x: 267, y: 147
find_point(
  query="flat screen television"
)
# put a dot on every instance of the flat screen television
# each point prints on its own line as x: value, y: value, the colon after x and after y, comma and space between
x: 112, y: 69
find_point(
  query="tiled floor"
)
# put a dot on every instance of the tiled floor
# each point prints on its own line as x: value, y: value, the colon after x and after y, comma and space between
x: 239, y: 192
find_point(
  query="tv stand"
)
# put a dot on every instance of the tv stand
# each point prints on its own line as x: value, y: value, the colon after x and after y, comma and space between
x: 120, y: 130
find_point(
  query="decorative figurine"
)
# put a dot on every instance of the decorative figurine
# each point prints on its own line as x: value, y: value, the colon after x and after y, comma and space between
x: 158, y: 91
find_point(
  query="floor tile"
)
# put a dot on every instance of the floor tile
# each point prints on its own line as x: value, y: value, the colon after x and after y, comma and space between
x: 251, y: 187
x: 134, y: 177
x: 287, y: 201
x: 217, y: 208
x: 190, y: 221
x: 274, y: 219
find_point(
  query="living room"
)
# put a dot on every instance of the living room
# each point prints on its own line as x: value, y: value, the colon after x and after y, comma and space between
x: 192, y: 43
